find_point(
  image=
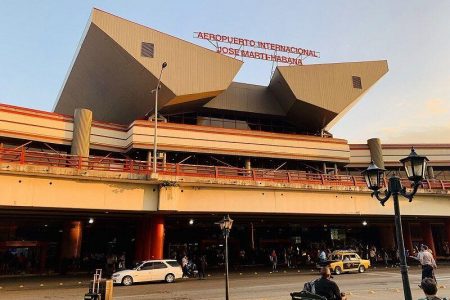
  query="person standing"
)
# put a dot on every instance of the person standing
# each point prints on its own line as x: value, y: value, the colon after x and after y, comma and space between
x: 274, y: 260
x: 372, y: 256
x: 184, y: 265
x: 202, y: 267
x: 427, y: 261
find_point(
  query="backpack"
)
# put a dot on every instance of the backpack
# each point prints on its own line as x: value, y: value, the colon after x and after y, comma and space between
x: 304, y: 295
x: 310, y: 286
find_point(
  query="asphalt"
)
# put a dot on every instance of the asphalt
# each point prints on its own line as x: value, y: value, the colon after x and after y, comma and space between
x: 377, y: 283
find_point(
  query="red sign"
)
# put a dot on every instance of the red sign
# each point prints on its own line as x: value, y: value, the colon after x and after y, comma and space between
x: 275, y: 48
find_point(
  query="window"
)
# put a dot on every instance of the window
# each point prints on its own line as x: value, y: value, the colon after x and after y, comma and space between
x: 147, y: 49
x: 356, y: 82
x: 159, y: 265
x: 147, y: 266
x: 173, y: 263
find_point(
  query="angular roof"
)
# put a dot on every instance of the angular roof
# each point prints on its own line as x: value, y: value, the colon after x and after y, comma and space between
x: 321, y: 94
x: 111, y: 77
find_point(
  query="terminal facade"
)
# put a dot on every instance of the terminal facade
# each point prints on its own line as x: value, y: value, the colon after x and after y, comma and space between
x: 77, y: 183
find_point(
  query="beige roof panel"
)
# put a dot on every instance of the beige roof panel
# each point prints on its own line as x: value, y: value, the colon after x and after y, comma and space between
x: 109, y: 73
x: 326, y: 89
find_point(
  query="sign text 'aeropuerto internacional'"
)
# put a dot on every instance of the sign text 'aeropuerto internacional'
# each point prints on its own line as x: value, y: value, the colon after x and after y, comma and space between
x: 242, y: 52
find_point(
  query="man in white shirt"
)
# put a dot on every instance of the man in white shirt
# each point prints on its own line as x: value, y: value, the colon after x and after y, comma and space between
x: 427, y: 261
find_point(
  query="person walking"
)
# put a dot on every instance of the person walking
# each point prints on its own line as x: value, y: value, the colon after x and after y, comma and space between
x: 274, y: 260
x: 427, y: 261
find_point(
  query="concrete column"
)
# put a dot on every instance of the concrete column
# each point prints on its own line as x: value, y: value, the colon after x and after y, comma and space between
x: 71, y: 243
x: 82, y: 122
x: 387, y: 239
x: 376, y: 153
x: 43, y: 250
x: 427, y: 236
x: 407, y: 237
x: 248, y: 164
x: 447, y: 231
x: 157, y: 236
x: 143, y: 240
x: 430, y: 172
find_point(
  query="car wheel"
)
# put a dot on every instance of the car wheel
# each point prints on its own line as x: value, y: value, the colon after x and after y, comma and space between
x: 127, y: 280
x: 170, y: 278
x: 361, y: 269
x: 338, y: 271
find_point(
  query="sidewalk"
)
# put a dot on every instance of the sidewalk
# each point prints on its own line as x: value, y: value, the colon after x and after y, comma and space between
x: 32, y: 282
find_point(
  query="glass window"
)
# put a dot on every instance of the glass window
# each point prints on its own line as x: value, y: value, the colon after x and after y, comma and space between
x: 173, y: 263
x: 159, y: 265
x: 147, y: 266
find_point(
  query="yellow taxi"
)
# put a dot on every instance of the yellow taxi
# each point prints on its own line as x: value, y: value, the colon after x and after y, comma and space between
x: 347, y: 261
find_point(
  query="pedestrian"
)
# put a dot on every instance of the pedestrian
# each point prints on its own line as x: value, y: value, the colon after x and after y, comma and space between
x: 429, y: 287
x: 327, y: 288
x: 386, y: 258
x: 427, y: 261
x: 274, y: 260
x: 372, y: 256
x: 202, y: 269
x: 184, y: 263
x: 121, y: 261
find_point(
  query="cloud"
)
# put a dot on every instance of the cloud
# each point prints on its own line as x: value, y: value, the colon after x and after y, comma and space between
x: 437, y: 106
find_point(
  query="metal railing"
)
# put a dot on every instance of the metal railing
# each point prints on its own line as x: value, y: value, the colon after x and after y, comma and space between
x: 51, y: 159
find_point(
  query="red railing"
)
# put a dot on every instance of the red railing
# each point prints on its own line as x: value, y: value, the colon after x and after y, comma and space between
x: 50, y: 159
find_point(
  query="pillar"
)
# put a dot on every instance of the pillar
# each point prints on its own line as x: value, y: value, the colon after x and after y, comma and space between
x: 376, y: 153
x: 157, y: 237
x: 43, y: 250
x: 407, y: 237
x: 430, y: 172
x: 387, y: 239
x: 82, y: 121
x: 427, y: 236
x: 447, y: 231
x: 143, y: 240
x: 71, y: 242
x: 248, y: 164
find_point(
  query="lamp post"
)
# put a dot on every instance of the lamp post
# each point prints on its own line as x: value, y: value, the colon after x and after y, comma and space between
x: 225, y: 225
x: 415, y: 166
x: 155, y: 133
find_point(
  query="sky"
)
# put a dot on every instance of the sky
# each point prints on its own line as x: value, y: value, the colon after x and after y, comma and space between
x: 410, y: 104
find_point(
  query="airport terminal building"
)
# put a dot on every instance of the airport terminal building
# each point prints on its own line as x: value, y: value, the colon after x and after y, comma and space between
x: 79, y: 181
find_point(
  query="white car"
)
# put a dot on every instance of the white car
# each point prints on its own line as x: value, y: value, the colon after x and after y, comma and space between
x: 150, y: 270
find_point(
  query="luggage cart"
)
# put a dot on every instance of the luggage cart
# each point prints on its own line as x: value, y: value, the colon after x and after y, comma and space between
x: 94, y: 290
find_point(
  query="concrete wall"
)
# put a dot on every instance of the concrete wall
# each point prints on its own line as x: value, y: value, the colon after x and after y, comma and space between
x: 48, y: 192
x: 288, y: 201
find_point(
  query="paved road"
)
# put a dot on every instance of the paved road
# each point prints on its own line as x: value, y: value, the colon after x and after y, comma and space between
x: 374, y: 284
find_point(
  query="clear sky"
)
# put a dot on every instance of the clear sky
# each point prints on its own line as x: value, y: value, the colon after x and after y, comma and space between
x: 411, y: 103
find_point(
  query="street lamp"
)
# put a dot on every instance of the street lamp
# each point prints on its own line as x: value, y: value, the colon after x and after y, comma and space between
x: 415, y: 166
x: 225, y: 225
x: 158, y: 86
